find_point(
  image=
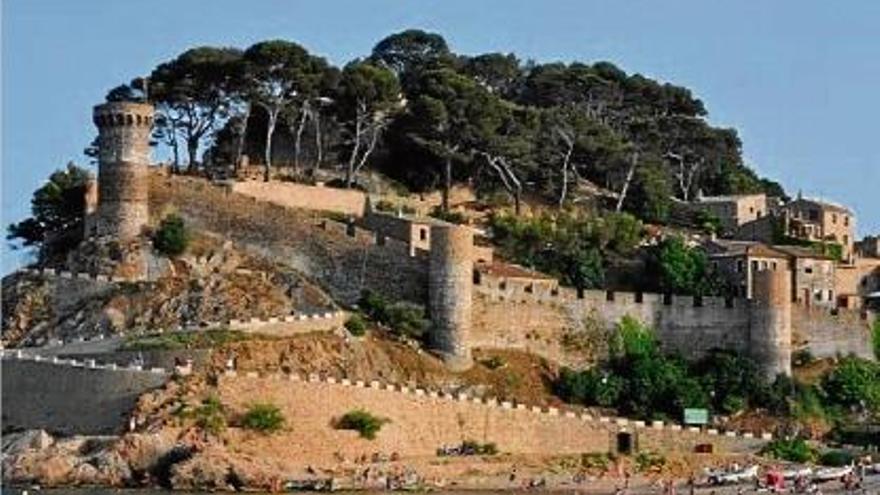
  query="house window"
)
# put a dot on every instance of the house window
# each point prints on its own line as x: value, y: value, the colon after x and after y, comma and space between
x: 817, y: 295
x: 830, y: 295
x: 808, y: 269
x: 739, y: 266
x: 754, y: 266
x: 846, y: 220
x: 423, y: 234
x: 773, y: 265
x: 814, y: 214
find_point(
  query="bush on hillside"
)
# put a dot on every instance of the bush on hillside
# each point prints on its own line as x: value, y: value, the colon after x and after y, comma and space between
x: 363, y: 422
x: 356, y: 325
x: 855, y: 382
x: 172, y: 238
x: 263, y: 417
x: 210, y: 415
x: 401, y: 318
x: 875, y: 338
x: 792, y: 450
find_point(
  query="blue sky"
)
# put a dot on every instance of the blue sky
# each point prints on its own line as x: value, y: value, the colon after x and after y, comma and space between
x: 798, y: 79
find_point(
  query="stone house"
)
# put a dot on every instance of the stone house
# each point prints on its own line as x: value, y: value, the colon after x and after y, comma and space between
x: 414, y: 230
x: 737, y: 261
x: 869, y: 247
x: 735, y: 210
x: 818, y: 220
x: 813, y: 275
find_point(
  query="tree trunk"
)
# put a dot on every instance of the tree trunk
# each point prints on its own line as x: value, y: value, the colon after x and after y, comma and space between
x: 270, y: 130
x: 242, y: 135
x: 175, y: 150
x: 447, y: 182
x: 319, y: 145
x: 304, y: 113
x: 565, y: 165
x: 352, y: 160
x: 192, y: 150
x: 634, y: 161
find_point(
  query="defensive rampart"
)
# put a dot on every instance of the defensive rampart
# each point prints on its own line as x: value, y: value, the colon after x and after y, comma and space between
x: 72, y: 397
x: 421, y: 421
x: 343, y: 259
x: 556, y: 322
x: 293, y: 195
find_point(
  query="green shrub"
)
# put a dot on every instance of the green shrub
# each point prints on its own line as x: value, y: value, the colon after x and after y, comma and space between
x: 448, y: 216
x: 794, y: 450
x: 471, y: 447
x: 854, y: 382
x: 385, y: 205
x: 210, y: 415
x: 172, y: 237
x: 263, y: 417
x: 361, y: 421
x: 356, y: 325
x: 649, y: 460
x: 875, y: 338
x: 402, y: 318
x: 836, y: 458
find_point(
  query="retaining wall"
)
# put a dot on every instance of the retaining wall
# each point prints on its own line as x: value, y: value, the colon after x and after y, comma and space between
x: 293, y: 195
x: 71, y: 397
x: 421, y: 421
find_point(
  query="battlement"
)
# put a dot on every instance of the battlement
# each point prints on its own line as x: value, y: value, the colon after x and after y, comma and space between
x: 438, y: 398
x: 123, y: 114
x: 549, y: 291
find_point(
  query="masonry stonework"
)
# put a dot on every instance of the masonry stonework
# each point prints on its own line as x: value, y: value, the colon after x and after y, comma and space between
x: 770, y: 322
x: 123, y: 158
x: 450, y: 279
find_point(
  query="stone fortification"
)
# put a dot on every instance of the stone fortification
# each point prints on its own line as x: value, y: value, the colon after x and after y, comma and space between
x: 770, y: 322
x: 449, y: 289
x: 123, y: 158
x: 571, y: 326
x: 421, y: 421
x: 292, y: 195
x: 72, y: 397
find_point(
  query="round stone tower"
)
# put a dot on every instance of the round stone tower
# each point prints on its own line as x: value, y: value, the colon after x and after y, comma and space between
x: 123, y: 157
x: 450, y: 280
x: 770, y: 322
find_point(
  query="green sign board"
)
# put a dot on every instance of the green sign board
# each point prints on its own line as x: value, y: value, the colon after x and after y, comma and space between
x: 696, y: 416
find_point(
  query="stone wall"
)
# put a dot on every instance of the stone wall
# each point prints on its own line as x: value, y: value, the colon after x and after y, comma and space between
x: 548, y: 320
x: 422, y: 421
x: 830, y: 333
x: 71, y: 397
x: 293, y: 195
x: 343, y: 259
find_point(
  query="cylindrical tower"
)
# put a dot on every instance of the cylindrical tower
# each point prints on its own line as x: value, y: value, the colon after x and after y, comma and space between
x: 450, y: 279
x: 123, y: 157
x: 770, y: 322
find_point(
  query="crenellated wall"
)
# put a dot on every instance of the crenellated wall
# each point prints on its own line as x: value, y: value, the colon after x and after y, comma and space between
x: 420, y: 421
x: 542, y: 317
x: 72, y: 397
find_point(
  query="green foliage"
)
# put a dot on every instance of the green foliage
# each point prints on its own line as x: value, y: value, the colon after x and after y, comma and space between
x: 566, y: 245
x: 263, y: 417
x: 402, y: 318
x: 681, y: 269
x: 356, y: 325
x: 448, y: 216
x: 875, y: 338
x: 201, y: 339
x: 385, y: 205
x: 632, y: 340
x: 855, y: 382
x: 363, y: 422
x: 57, y: 208
x: 172, y: 237
x: 793, y: 450
x: 210, y: 415
x: 472, y: 447
x: 836, y: 458
x: 650, y: 197
x: 647, y: 461
x: 708, y: 222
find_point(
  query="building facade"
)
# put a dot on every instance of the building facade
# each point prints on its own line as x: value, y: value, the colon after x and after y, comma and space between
x: 733, y: 211
x: 820, y: 221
